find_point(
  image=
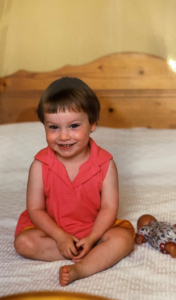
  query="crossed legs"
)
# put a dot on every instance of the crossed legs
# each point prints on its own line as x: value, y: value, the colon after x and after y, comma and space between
x: 115, y: 244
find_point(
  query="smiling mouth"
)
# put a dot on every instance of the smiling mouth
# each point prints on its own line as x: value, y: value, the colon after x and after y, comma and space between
x: 66, y: 145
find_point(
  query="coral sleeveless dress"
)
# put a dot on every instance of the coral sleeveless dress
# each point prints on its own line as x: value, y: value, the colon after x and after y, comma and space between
x: 72, y: 205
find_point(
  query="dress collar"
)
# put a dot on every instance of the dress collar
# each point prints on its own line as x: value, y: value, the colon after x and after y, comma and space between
x: 97, y: 157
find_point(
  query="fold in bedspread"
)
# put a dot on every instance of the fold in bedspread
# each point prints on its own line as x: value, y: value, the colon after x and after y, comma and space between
x: 146, y: 161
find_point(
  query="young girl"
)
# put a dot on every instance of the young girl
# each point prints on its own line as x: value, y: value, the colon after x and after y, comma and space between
x: 72, y: 191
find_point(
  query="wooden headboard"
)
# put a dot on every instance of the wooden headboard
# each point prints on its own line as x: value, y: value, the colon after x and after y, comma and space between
x: 134, y: 89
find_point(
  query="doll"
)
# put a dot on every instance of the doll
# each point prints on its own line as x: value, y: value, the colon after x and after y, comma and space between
x: 160, y: 235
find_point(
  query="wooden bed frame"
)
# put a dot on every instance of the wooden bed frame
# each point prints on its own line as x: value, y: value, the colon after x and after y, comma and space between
x: 134, y: 89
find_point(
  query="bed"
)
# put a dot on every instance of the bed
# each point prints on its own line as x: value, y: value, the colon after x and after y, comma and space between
x: 137, y: 125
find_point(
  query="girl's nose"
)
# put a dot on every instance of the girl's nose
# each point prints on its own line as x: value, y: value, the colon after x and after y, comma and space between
x: 64, y: 135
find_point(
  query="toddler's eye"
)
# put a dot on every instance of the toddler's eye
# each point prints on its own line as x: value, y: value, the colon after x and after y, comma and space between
x: 74, y: 125
x: 53, y: 127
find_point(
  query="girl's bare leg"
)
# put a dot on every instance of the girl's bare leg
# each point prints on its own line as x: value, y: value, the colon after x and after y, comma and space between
x: 35, y: 244
x: 114, y: 245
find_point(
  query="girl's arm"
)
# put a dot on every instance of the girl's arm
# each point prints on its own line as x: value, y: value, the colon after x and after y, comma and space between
x: 40, y: 218
x: 36, y: 202
x: 109, y: 203
x: 108, y: 210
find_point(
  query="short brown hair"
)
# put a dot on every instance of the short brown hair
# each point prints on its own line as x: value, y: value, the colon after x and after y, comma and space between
x: 71, y: 94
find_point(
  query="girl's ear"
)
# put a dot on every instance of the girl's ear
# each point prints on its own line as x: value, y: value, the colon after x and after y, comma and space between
x: 93, y: 126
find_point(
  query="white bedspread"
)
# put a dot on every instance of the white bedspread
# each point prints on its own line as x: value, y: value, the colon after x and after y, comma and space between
x: 146, y: 161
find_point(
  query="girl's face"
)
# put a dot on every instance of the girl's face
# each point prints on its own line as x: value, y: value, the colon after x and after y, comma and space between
x: 67, y: 133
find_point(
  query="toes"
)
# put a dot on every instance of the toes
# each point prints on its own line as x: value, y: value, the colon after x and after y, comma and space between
x: 64, y: 275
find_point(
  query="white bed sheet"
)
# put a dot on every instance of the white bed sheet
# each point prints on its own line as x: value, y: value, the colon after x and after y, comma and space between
x: 146, y: 161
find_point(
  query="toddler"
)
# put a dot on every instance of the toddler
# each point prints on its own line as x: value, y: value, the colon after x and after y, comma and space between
x: 72, y: 190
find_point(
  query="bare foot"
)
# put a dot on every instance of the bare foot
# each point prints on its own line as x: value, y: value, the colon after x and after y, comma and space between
x: 67, y: 274
x: 171, y: 249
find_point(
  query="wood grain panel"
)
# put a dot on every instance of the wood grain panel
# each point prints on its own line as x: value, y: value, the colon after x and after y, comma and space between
x: 135, y: 90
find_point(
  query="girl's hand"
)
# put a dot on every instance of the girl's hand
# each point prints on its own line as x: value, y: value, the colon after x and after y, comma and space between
x: 66, y: 245
x: 84, y: 245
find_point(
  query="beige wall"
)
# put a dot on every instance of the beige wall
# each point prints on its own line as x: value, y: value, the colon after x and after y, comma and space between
x: 44, y: 35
